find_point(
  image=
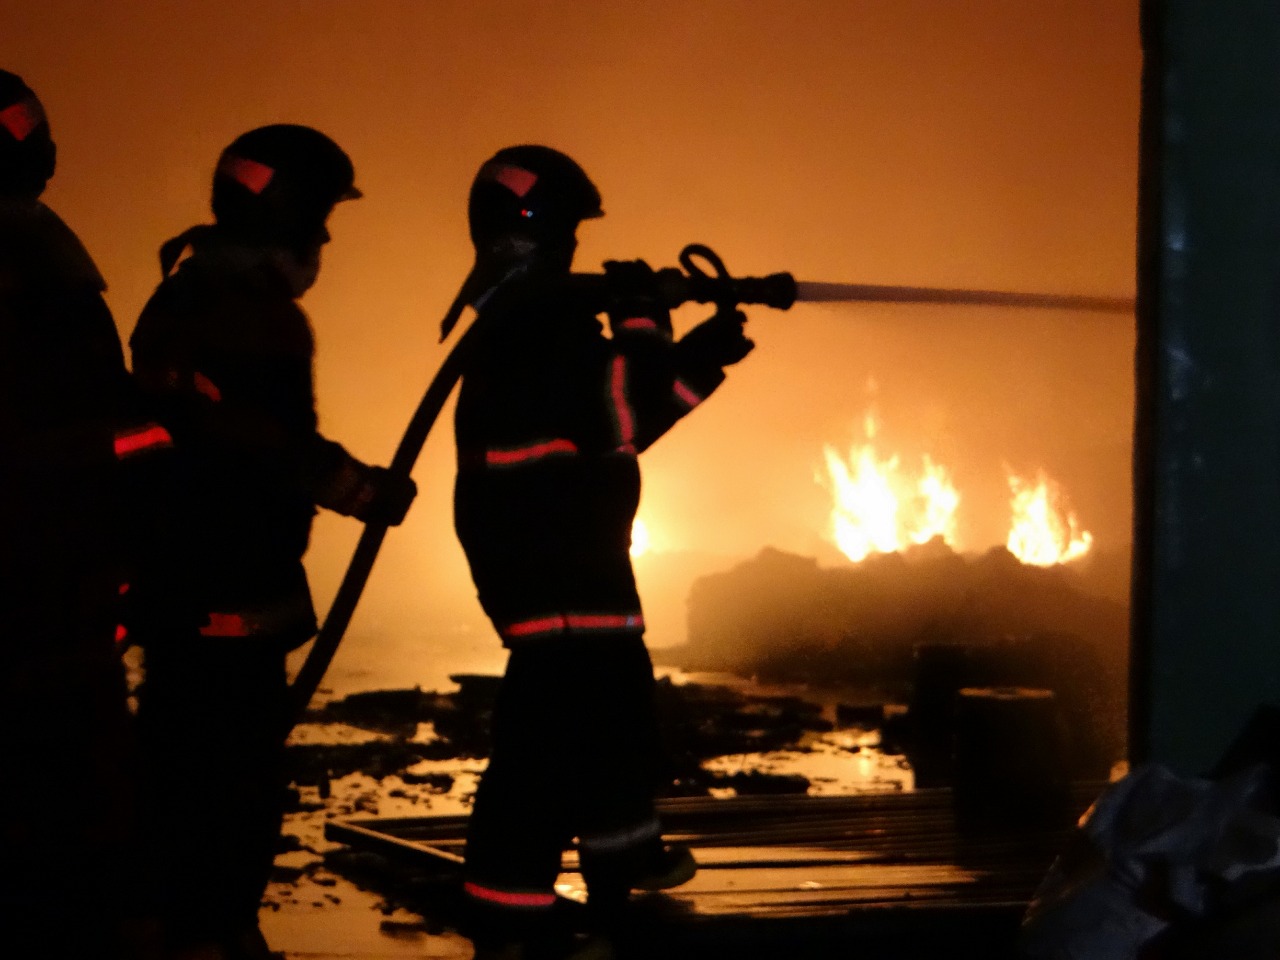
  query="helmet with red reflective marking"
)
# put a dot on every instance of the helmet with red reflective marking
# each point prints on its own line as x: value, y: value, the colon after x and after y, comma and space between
x: 525, y: 206
x: 532, y: 191
x: 27, y: 152
x: 277, y: 185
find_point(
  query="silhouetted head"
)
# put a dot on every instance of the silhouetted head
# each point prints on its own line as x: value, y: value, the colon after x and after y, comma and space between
x: 276, y: 185
x: 27, y: 151
x: 525, y: 206
x: 529, y: 199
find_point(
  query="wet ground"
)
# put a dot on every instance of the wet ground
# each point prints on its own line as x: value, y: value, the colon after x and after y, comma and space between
x: 412, y: 753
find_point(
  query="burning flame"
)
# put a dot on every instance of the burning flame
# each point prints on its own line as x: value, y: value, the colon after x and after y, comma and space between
x: 1044, y: 531
x: 879, y: 509
x: 639, y: 537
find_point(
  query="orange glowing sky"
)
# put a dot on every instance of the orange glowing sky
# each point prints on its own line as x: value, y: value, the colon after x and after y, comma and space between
x: 987, y: 143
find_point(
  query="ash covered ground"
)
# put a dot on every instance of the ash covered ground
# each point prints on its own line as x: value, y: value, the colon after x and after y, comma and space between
x: 416, y: 753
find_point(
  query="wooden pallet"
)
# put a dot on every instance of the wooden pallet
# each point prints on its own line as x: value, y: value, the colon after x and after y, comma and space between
x: 798, y: 856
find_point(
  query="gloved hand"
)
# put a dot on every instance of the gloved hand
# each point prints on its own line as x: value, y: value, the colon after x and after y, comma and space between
x: 718, y: 340
x: 635, y: 300
x: 386, y: 497
x: 630, y: 282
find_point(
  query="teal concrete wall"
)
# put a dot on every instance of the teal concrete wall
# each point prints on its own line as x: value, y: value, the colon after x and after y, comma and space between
x: 1207, y: 454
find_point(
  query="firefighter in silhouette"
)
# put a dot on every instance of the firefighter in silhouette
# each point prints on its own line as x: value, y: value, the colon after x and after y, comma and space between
x: 224, y: 354
x: 70, y: 438
x: 552, y: 415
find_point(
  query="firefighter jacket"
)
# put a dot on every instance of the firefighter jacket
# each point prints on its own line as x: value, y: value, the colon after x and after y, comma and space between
x: 551, y: 417
x: 224, y: 355
x: 70, y: 427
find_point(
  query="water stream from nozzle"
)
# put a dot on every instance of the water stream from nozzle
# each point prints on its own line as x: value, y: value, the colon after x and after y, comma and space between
x: 819, y: 292
x: 781, y: 290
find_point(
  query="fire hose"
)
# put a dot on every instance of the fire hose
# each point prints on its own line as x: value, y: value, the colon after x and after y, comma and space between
x: 692, y: 284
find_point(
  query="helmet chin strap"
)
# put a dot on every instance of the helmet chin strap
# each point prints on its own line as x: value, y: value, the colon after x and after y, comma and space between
x: 512, y: 248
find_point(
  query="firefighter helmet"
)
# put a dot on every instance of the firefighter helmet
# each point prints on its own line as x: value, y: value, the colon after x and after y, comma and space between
x: 277, y: 185
x: 531, y: 191
x: 526, y: 203
x: 27, y: 152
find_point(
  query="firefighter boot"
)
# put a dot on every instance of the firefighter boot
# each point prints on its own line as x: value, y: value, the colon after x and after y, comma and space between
x: 667, y: 867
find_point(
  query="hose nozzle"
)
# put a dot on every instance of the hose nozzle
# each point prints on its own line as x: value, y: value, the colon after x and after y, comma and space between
x: 693, y: 284
x: 777, y: 290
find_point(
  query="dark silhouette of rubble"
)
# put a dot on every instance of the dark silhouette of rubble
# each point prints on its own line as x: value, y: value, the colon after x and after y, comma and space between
x: 918, y: 626
x: 701, y: 721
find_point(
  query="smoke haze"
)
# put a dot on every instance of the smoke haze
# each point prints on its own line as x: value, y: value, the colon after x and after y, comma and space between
x: 985, y: 143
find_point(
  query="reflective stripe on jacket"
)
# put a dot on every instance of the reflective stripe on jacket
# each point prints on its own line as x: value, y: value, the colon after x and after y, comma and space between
x: 551, y: 417
x: 224, y: 356
x: 560, y: 624
x: 143, y: 438
x: 281, y: 619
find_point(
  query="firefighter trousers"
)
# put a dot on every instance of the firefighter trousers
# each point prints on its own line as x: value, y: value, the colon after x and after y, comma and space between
x: 66, y: 803
x: 213, y: 792
x: 576, y: 755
